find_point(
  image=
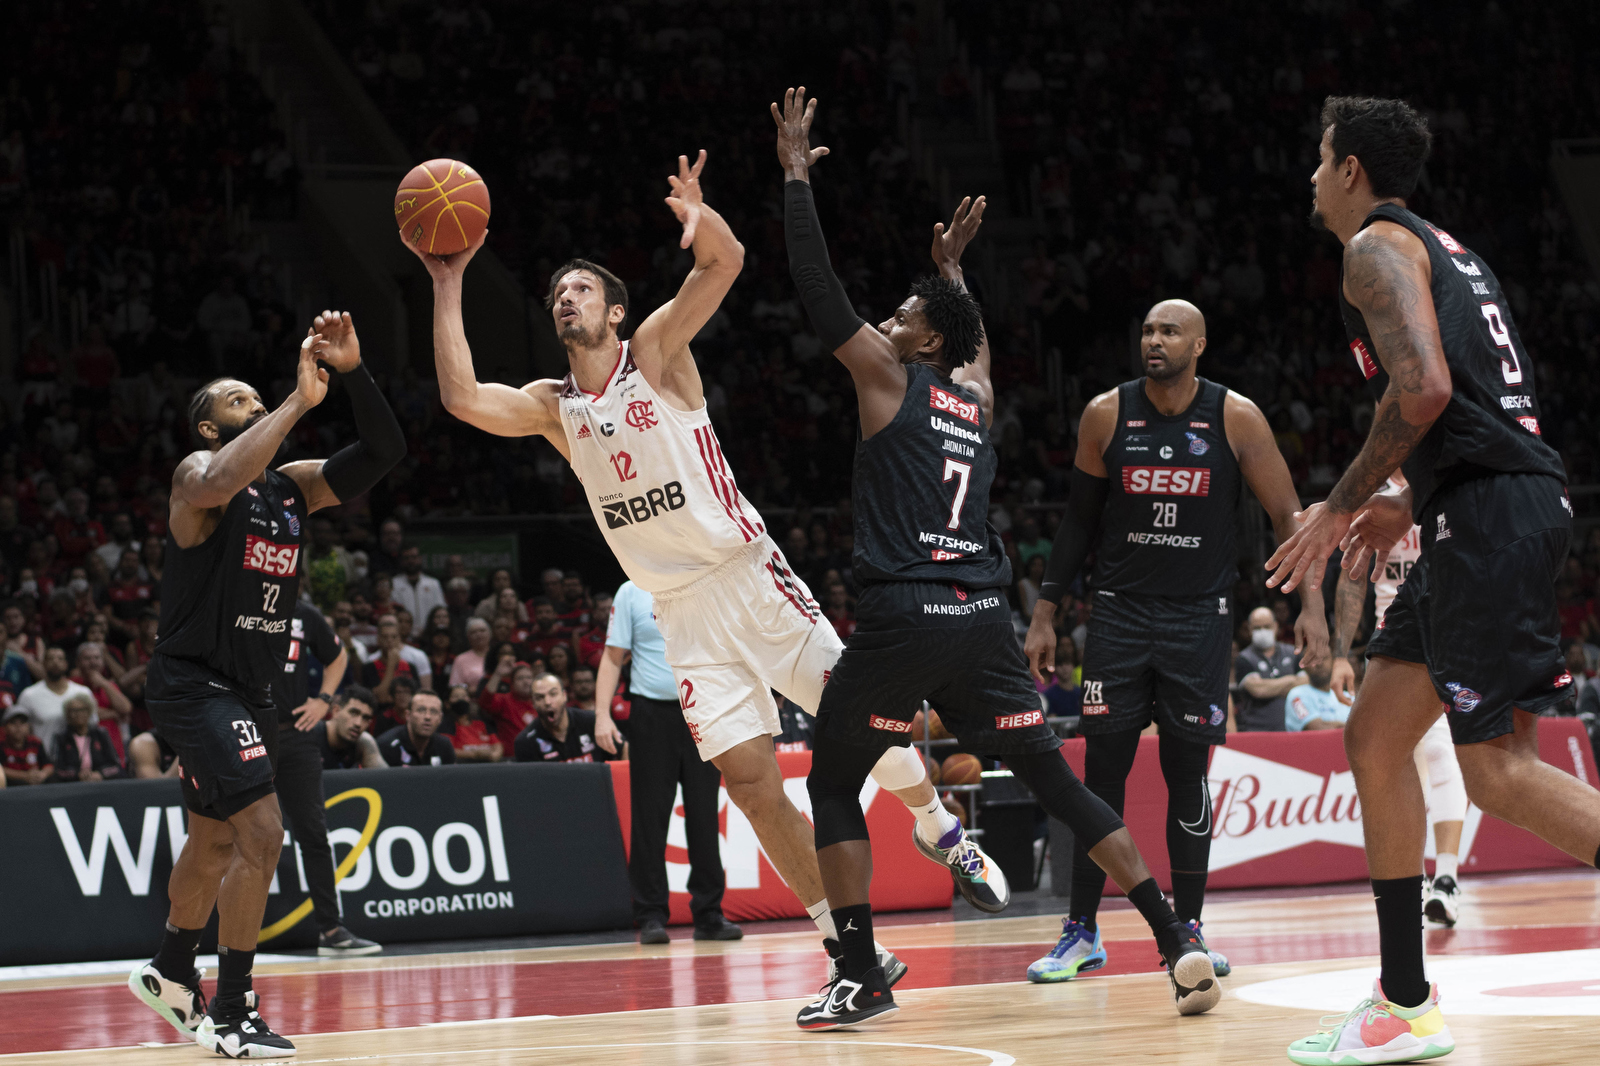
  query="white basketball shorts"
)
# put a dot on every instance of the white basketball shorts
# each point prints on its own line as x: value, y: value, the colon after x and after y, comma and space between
x: 737, y: 633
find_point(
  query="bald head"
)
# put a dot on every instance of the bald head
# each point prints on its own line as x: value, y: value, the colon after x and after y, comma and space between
x: 1262, y: 618
x: 1173, y: 336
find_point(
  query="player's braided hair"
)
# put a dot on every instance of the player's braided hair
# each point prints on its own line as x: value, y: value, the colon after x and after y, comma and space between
x: 953, y: 312
x: 200, y: 405
x: 1389, y: 137
x: 616, y: 291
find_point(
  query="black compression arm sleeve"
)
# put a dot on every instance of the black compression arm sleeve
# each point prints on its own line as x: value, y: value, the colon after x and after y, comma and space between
x: 355, y: 469
x: 1086, y: 500
x: 825, y: 301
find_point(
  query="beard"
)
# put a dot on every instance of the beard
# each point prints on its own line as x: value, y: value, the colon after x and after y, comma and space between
x: 1173, y: 368
x: 226, y: 435
x: 1318, y: 223
x: 575, y: 335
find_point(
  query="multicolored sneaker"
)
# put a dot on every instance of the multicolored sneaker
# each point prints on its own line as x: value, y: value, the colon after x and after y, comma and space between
x: 1078, y: 951
x: 977, y: 878
x: 1219, y: 961
x: 1378, y: 1031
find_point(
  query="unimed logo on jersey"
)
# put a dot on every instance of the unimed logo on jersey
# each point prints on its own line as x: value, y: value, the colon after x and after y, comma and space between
x: 940, y: 400
x: 1167, y: 480
x: 270, y: 558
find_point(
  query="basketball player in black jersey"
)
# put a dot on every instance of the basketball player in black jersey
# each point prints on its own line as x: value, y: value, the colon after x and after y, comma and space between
x: 932, y: 619
x: 227, y: 596
x: 1159, y: 469
x: 1475, y: 626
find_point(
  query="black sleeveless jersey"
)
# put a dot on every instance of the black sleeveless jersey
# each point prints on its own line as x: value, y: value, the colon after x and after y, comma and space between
x: 226, y: 602
x: 921, y: 492
x: 1172, y: 509
x: 1491, y: 424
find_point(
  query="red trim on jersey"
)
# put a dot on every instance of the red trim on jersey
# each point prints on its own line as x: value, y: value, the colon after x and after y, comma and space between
x: 733, y: 488
x: 717, y: 488
x: 609, y: 376
x: 781, y: 581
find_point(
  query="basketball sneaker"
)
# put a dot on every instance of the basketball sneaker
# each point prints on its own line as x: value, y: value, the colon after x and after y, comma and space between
x: 1195, y: 988
x: 893, y: 969
x: 1442, y: 901
x: 1378, y: 1031
x: 979, y: 880
x: 243, y: 1037
x: 180, y: 1003
x: 843, y: 1003
x: 1219, y: 961
x: 1078, y: 951
x: 342, y: 943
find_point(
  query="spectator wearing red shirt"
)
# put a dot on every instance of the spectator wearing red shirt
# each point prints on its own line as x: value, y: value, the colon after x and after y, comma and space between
x: 547, y: 632
x: 573, y: 609
x: 62, y: 627
x: 474, y: 738
x: 592, y: 641
x: 388, y: 662
x: 115, y: 709
x: 128, y: 594
x: 76, y: 532
x: 513, y: 711
x: 26, y: 762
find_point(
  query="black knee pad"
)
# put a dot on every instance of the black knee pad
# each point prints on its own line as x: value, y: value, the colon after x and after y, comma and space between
x: 1065, y: 798
x: 838, y: 772
x: 1183, y: 764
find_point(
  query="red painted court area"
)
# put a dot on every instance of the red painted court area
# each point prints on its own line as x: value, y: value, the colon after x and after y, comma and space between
x: 411, y: 991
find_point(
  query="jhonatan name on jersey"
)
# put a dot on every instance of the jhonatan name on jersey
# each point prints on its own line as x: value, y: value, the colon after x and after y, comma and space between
x: 1171, y: 513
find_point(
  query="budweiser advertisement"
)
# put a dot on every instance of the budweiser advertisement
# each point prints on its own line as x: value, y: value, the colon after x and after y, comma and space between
x: 1284, y: 810
x: 902, y: 879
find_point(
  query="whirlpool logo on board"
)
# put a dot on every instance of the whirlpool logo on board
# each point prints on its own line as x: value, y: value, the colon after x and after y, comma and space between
x: 387, y: 865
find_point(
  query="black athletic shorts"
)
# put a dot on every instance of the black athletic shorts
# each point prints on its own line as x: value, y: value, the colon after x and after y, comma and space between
x: 1150, y: 658
x: 226, y: 742
x: 955, y: 648
x: 1479, y: 606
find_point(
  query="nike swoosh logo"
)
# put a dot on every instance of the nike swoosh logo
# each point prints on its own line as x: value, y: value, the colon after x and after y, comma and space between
x: 1202, y: 825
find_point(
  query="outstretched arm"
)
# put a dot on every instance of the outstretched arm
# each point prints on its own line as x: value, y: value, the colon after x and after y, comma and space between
x: 380, y: 444
x: 492, y: 407
x: 1387, y: 278
x: 1267, y: 474
x: 948, y: 244
x: 718, y: 258
x: 1349, y: 598
x: 879, y: 377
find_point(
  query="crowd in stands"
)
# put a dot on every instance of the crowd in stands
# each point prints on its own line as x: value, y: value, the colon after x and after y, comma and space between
x: 135, y: 153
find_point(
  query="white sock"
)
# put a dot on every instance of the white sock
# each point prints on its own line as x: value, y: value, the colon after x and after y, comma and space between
x: 933, y: 820
x: 1445, y: 865
x: 820, y: 914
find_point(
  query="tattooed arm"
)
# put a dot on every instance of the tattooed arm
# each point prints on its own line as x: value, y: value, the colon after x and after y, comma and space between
x: 1349, y: 600
x: 1387, y: 278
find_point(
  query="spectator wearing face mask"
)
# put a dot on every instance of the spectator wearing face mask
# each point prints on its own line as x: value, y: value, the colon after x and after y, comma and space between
x: 474, y: 736
x: 1266, y: 670
x: 1313, y: 705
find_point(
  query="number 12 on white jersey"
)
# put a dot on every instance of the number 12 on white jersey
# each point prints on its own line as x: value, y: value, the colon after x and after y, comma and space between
x: 962, y: 472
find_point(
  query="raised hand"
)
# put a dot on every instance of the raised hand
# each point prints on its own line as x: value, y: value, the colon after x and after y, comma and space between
x: 795, y: 153
x: 950, y: 241
x: 686, y: 197
x: 311, y: 381
x: 336, y: 344
x: 443, y: 267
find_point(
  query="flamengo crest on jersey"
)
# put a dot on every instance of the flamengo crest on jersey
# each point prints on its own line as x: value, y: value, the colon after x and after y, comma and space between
x: 656, y: 479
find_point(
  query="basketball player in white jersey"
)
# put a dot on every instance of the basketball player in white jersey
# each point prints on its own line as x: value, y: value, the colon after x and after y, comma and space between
x: 1435, y: 753
x: 631, y: 418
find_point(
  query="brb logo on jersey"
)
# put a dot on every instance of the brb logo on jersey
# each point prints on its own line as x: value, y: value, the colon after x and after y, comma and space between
x: 1197, y: 444
x: 1167, y: 480
x: 951, y: 404
x: 279, y: 560
x: 641, y: 414
x: 638, y: 509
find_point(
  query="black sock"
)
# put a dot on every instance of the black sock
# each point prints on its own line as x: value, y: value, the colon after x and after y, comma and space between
x: 175, y: 960
x: 1146, y: 895
x: 1188, y: 895
x: 854, y: 925
x: 1088, y: 885
x: 1399, y: 902
x: 233, y: 980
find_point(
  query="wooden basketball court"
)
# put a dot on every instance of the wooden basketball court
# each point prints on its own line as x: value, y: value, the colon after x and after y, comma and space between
x: 1520, y: 975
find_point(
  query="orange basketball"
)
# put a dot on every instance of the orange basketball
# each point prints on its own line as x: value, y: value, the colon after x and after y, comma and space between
x: 936, y: 729
x: 961, y: 770
x: 919, y: 727
x: 442, y: 206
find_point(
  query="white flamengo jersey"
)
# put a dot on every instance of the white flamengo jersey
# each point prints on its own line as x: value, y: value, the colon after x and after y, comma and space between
x: 656, y: 479
x: 1402, y: 557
